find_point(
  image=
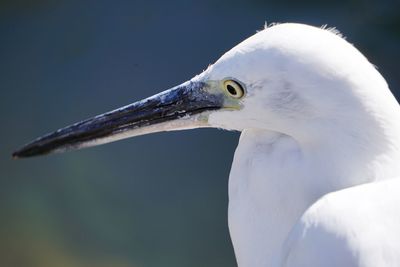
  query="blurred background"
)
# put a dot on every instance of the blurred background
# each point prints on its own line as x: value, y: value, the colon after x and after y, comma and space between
x: 158, y: 200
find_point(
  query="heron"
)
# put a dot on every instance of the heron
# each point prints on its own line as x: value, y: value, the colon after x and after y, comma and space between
x: 315, y: 176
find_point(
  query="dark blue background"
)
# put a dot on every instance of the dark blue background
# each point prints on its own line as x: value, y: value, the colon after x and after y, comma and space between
x: 158, y: 200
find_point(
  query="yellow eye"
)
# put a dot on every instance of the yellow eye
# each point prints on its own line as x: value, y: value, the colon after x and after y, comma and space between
x: 234, y: 89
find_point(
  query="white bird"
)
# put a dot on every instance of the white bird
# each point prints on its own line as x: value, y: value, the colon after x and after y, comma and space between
x: 315, y: 177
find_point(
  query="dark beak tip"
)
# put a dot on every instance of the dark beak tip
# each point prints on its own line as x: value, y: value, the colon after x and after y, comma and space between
x: 21, y: 153
x: 17, y: 155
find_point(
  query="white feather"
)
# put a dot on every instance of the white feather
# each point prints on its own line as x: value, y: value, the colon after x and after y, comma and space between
x: 317, y: 118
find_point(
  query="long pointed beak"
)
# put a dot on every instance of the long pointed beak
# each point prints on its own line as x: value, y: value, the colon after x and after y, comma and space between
x: 182, y: 107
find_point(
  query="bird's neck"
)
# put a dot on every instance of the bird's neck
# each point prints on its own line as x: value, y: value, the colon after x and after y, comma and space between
x: 273, y: 181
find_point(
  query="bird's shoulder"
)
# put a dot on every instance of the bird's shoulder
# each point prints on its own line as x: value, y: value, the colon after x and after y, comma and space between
x: 357, y: 226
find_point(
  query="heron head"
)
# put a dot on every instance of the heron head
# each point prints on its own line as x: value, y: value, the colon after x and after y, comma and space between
x: 305, y: 82
x: 272, y: 81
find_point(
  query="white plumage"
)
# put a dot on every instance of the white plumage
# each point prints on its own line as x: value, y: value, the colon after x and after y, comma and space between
x: 315, y: 177
x: 318, y: 118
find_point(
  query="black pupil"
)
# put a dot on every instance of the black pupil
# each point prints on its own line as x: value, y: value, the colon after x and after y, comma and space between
x: 231, y: 89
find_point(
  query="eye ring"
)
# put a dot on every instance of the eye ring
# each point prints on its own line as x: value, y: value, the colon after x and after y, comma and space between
x: 233, y: 89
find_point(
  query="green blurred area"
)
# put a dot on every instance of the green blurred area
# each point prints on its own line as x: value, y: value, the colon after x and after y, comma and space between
x: 158, y: 200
